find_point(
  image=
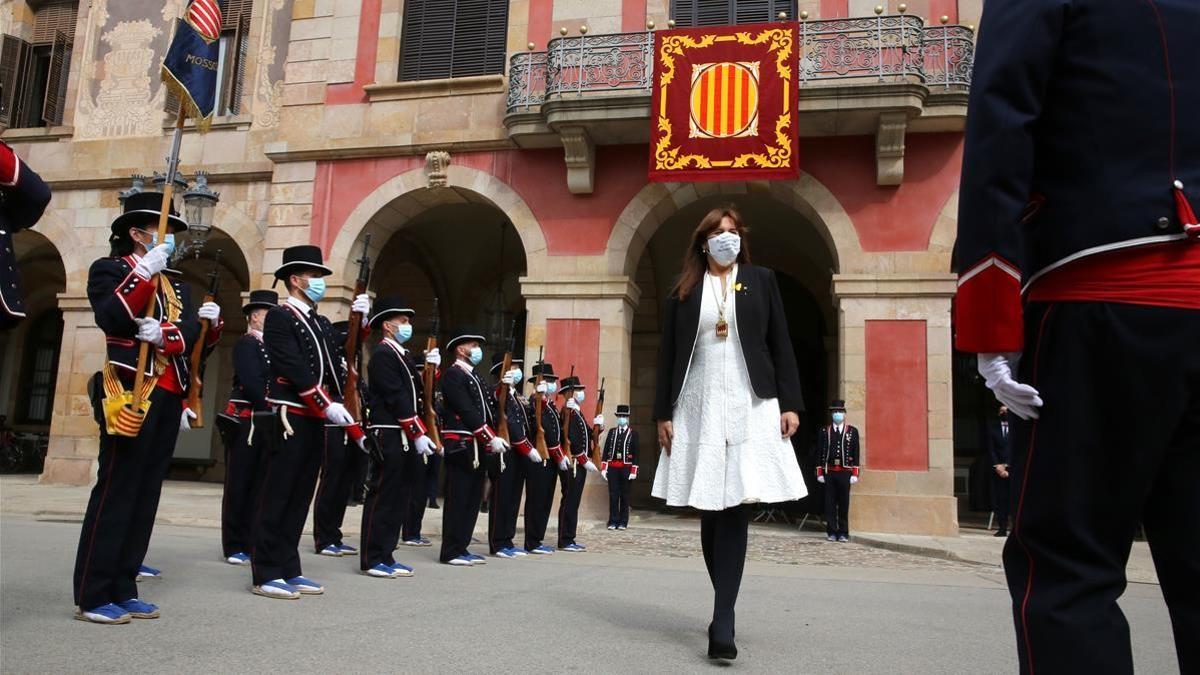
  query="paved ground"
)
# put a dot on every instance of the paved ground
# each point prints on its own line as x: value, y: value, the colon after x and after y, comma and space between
x: 638, y: 602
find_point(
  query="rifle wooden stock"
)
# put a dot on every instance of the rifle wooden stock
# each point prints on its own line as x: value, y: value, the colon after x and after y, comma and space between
x: 596, y: 428
x: 539, y: 405
x: 431, y: 421
x: 195, y: 401
x: 502, y: 404
x: 350, y: 397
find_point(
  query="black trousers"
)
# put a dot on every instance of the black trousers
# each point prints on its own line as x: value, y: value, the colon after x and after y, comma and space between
x: 518, y: 474
x: 568, y: 505
x: 432, y: 473
x: 242, y: 477
x: 413, y: 495
x: 384, y: 508
x: 1117, y: 443
x: 723, y: 536
x: 1000, y: 499
x: 837, y: 503
x: 539, y: 499
x: 618, y: 496
x: 339, y: 473
x: 120, y: 512
x: 464, y: 493
x: 501, y: 499
x: 289, y: 480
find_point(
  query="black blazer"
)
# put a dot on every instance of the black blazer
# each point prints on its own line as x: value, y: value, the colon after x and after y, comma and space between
x: 251, y: 365
x: 1000, y: 445
x: 21, y: 206
x: 762, y: 328
x: 303, y: 355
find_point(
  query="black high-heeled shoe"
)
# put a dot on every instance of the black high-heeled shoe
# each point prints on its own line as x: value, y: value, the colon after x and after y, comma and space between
x: 720, y: 650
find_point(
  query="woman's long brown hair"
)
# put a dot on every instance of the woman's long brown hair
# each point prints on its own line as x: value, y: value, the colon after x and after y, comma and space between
x: 695, y: 260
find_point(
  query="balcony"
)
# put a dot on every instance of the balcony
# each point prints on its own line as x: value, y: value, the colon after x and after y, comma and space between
x: 886, y: 75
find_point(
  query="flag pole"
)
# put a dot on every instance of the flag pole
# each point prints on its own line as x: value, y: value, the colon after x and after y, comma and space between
x: 164, y: 212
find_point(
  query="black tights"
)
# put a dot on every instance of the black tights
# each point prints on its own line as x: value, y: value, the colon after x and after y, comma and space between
x: 723, y: 538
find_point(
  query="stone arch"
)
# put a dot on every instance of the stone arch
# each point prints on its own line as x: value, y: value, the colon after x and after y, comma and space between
x: 657, y: 202
x: 390, y: 206
x: 71, y: 251
x: 235, y: 223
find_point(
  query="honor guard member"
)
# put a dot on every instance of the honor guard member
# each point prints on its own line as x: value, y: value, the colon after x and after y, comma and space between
x: 23, y: 199
x: 507, y: 471
x: 573, y: 469
x: 542, y: 477
x: 243, y: 452
x: 395, y: 390
x: 306, y: 377
x: 340, y: 471
x: 120, y: 514
x: 837, y: 469
x: 1079, y: 288
x: 619, y: 466
x: 468, y: 433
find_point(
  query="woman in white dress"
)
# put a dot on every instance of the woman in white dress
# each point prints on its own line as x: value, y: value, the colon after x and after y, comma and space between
x: 727, y: 403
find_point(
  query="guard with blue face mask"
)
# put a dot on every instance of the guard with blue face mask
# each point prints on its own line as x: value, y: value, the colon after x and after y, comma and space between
x: 577, y: 441
x: 469, y: 420
x: 397, y: 412
x: 837, y: 469
x: 508, y: 472
x: 619, y: 466
x: 542, y: 476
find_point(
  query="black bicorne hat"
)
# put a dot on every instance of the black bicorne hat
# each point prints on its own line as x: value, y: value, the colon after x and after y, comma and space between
x: 570, y: 383
x: 623, y: 410
x: 838, y: 404
x: 389, y: 307
x: 544, y: 370
x: 142, y: 210
x: 498, y: 360
x: 297, y: 259
x: 262, y: 299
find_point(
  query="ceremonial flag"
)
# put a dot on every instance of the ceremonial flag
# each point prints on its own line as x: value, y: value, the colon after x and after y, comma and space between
x: 190, y: 68
x: 724, y: 104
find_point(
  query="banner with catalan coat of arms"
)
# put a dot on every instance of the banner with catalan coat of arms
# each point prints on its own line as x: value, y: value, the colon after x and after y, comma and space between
x: 724, y: 104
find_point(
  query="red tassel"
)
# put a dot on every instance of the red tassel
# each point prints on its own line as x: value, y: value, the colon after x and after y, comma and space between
x: 1186, y: 215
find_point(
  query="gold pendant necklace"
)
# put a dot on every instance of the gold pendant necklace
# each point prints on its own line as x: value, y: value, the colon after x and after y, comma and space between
x: 722, y: 301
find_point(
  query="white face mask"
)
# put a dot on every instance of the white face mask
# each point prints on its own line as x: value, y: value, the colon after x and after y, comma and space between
x: 724, y: 248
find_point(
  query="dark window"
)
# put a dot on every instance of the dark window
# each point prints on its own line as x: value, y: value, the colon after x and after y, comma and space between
x: 453, y: 38
x: 40, y: 368
x: 729, y: 12
x: 231, y: 59
x: 33, y: 75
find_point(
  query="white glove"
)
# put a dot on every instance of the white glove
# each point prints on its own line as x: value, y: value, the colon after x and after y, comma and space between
x: 590, y: 466
x: 598, y: 420
x: 210, y: 311
x: 497, y: 445
x: 338, y: 415
x: 997, y: 371
x: 425, y: 445
x: 361, y: 304
x: 433, y: 357
x: 604, y: 474
x: 534, y: 457
x: 853, y: 480
x: 153, y: 262
x: 542, y: 389
x: 185, y: 419
x: 150, y: 330
x: 821, y: 479
x: 632, y: 475
x: 563, y: 465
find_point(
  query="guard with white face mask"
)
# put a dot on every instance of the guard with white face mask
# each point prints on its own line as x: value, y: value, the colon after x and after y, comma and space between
x: 575, y: 464
x: 469, y: 419
x: 837, y: 469
x: 507, y: 471
x: 542, y: 476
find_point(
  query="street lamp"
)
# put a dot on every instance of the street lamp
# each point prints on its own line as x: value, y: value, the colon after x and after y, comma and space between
x: 196, y: 201
x: 199, y: 205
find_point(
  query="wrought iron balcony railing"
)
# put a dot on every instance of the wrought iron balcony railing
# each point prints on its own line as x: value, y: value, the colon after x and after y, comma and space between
x: 887, y: 48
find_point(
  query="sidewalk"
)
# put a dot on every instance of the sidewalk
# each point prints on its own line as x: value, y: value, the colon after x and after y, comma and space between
x: 194, y: 504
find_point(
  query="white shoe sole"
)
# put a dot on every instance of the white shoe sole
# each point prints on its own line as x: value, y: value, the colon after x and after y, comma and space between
x: 331, y: 554
x: 460, y: 563
x: 100, y: 619
x: 310, y: 590
x: 403, y: 573
x: 234, y: 561
x: 381, y: 575
x: 274, y: 594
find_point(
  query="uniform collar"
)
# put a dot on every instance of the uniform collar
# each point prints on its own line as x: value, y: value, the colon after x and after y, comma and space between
x: 256, y: 333
x: 301, y: 305
x: 465, y: 366
x: 838, y: 427
x: 396, y: 345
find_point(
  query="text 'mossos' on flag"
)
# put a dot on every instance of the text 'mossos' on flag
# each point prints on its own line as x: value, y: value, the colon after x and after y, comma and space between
x: 190, y: 67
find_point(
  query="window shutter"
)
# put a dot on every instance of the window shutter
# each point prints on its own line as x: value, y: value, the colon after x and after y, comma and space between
x: 729, y: 12
x: 235, y: 64
x: 453, y: 38
x: 53, y: 17
x: 235, y: 11
x: 13, y: 53
x: 56, y: 82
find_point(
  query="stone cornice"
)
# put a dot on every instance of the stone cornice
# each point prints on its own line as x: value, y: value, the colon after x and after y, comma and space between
x: 282, y: 151
x: 582, y: 287
x: 894, y: 285
x: 453, y: 86
x: 256, y: 172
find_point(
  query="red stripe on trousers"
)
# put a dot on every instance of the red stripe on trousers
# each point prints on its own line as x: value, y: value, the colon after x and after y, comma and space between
x: 87, y: 562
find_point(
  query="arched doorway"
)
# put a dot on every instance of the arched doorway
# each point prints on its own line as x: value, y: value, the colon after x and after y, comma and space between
x: 198, y: 452
x: 29, y: 353
x: 783, y: 239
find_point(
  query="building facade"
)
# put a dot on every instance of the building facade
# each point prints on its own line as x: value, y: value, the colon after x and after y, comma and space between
x: 495, y: 153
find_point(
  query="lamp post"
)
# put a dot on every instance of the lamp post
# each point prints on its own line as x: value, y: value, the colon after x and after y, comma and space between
x: 197, y: 202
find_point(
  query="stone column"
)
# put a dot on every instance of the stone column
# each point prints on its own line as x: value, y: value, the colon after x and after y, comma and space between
x: 610, y: 299
x: 895, y: 351
x: 74, y: 436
